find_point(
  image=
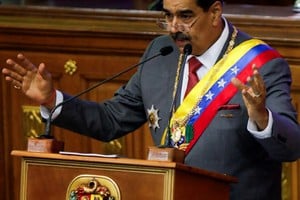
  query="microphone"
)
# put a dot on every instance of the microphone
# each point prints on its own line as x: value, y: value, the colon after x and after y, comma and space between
x: 47, y: 134
x: 187, y: 50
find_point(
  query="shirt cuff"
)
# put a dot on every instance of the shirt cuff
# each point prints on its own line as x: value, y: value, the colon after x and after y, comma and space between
x: 45, y: 112
x: 266, y: 133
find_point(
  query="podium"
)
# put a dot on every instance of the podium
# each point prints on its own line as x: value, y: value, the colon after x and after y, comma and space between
x: 49, y: 176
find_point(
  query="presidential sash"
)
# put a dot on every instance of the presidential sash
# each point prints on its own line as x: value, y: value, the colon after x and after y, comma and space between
x: 199, y: 107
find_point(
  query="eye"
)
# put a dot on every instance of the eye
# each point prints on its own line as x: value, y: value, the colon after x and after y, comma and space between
x: 168, y: 16
x: 185, y: 17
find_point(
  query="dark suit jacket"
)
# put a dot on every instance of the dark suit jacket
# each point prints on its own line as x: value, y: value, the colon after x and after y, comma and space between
x: 225, y: 147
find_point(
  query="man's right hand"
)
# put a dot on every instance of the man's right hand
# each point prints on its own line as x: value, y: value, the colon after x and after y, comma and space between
x: 35, y: 82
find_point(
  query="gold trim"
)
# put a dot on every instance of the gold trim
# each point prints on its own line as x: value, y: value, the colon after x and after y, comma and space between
x: 32, y: 121
x: 286, y: 181
x: 70, y: 67
x: 24, y: 172
x: 168, y: 190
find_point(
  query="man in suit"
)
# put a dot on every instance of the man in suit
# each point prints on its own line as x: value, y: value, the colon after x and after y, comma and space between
x: 238, y: 119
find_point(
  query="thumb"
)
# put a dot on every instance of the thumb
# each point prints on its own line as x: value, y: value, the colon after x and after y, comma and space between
x: 42, y: 71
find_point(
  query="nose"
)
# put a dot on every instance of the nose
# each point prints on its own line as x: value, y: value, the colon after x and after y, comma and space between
x: 174, y: 24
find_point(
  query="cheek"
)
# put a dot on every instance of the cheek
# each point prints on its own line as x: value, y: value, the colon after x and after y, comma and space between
x: 202, y: 34
x: 200, y: 40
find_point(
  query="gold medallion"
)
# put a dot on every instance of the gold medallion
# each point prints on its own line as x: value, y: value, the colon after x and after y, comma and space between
x: 153, y: 117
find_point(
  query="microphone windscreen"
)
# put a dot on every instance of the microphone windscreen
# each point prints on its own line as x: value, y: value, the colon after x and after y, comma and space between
x: 166, y: 50
x: 187, y: 50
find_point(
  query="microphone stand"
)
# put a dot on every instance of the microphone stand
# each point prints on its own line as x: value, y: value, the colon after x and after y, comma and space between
x: 46, y: 142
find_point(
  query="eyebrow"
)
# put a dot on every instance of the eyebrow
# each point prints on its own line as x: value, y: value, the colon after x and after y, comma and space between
x: 186, y: 11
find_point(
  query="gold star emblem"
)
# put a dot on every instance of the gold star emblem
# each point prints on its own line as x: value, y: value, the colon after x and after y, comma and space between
x: 153, y: 117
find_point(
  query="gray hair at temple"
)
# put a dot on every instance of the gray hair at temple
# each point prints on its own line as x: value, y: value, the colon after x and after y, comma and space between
x: 205, y: 4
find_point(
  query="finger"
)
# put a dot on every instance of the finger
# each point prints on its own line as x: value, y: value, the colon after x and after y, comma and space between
x: 258, y: 79
x: 256, y: 83
x: 256, y: 75
x: 5, y: 71
x: 237, y: 83
x: 15, y: 83
x: 11, y: 75
x: 245, y: 90
x: 28, y: 64
x: 16, y: 67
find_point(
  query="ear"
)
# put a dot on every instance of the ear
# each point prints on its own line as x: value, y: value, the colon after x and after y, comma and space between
x: 216, y: 10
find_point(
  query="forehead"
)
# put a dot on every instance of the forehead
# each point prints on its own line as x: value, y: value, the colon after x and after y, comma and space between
x: 180, y: 5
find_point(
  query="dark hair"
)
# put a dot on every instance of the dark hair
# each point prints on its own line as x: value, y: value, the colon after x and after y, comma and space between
x: 205, y: 4
x: 156, y: 5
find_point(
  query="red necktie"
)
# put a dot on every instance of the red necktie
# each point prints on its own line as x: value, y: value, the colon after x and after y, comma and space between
x: 194, y: 65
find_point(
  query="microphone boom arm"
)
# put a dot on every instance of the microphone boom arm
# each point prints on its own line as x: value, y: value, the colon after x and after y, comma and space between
x: 47, y: 134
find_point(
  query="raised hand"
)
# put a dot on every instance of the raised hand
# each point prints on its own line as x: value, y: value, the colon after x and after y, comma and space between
x: 35, y: 82
x: 254, y: 96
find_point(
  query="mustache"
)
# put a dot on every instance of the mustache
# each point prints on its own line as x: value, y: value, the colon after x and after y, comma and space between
x: 180, y: 36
